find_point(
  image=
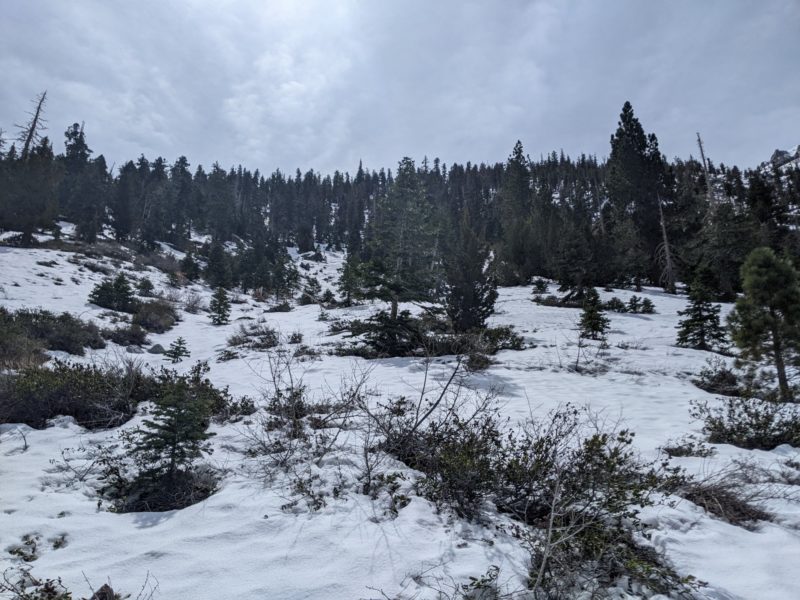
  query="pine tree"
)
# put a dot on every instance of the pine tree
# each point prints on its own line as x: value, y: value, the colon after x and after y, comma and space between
x: 400, y: 262
x: 145, y: 287
x: 177, y: 351
x: 700, y: 329
x: 470, y: 290
x: 114, y: 294
x: 189, y: 267
x: 220, y: 307
x: 594, y: 324
x: 766, y: 320
x: 174, y: 437
x: 218, y: 270
x: 635, y: 170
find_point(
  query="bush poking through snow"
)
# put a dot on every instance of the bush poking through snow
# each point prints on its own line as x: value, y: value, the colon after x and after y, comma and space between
x: 94, y: 397
x: 130, y: 335
x: 20, y: 584
x: 25, y: 334
x: 193, y: 303
x: 256, y: 336
x: 574, y: 486
x: 426, y: 336
x: 157, y: 316
x: 750, y: 422
x: 725, y: 499
x: 717, y: 378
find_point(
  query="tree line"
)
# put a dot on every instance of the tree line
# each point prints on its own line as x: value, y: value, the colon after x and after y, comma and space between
x: 425, y: 229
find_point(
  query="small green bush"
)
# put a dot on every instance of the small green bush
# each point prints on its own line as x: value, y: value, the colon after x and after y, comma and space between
x: 129, y: 335
x: 281, y: 307
x: 95, y: 398
x: 750, y: 423
x: 26, y: 333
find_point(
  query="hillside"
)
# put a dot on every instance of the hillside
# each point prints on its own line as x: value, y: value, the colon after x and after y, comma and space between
x: 308, y: 531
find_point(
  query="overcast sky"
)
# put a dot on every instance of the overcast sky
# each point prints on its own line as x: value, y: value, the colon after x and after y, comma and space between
x: 323, y: 84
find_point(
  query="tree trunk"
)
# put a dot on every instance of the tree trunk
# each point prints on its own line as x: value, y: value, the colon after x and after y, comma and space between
x: 30, y: 135
x: 780, y: 366
x: 668, y: 274
x: 394, y: 308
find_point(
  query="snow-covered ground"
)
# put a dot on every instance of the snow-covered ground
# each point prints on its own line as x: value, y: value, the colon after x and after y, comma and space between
x: 243, y: 542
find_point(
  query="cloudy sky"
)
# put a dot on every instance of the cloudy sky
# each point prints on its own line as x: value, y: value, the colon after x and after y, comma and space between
x: 322, y: 84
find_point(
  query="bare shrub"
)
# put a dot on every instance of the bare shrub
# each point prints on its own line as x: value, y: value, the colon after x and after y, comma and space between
x: 193, y: 303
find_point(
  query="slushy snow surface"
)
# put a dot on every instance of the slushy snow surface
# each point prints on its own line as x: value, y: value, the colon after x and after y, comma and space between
x: 255, y: 538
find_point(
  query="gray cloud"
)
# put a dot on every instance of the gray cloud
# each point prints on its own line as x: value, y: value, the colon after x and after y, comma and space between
x: 322, y: 84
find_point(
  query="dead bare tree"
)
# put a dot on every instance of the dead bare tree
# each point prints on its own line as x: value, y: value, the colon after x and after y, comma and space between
x: 30, y: 133
x: 664, y: 253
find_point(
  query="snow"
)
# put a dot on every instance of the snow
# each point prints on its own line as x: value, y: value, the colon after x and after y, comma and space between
x: 241, y: 542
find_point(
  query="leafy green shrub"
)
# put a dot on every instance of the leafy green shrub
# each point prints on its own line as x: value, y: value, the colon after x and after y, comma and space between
x: 129, y: 335
x: 717, y: 378
x: 749, y: 422
x: 552, y: 300
x: 502, y: 338
x: 578, y: 488
x: 96, y: 398
x: 281, y: 307
x: 428, y: 335
x: 49, y: 331
x: 157, y: 316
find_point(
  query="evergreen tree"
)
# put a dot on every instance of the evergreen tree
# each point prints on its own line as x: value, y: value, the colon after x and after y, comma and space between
x: 470, y: 290
x: 145, y: 287
x: 635, y: 172
x: 30, y: 196
x: 515, y: 249
x: 766, y: 320
x: 400, y: 262
x: 114, y: 294
x: 594, y: 324
x: 634, y: 304
x: 189, y: 266
x: 177, y: 351
x: 700, y: 327
x: 218, y: 270
x: 220, y: 307
x: 175, y: 435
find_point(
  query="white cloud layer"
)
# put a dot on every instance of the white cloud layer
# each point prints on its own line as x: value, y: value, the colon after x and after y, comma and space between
x: 322, y: 84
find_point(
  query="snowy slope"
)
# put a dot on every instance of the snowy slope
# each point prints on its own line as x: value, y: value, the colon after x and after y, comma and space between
x: 241, y: 543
